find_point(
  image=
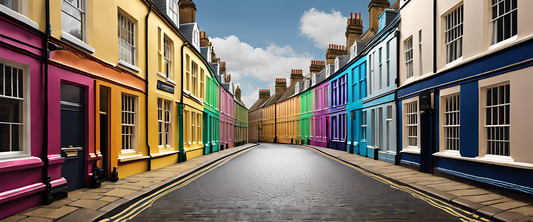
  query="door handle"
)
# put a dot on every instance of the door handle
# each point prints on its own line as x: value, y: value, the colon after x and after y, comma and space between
x: 70, y: 148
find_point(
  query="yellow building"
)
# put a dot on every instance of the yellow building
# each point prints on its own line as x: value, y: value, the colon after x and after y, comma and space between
x: 288, y: 111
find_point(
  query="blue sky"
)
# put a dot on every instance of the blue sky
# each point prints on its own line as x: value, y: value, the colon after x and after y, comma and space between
x: 263, y: 40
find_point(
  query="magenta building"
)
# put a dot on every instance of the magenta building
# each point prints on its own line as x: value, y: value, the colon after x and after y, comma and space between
x: 227, y: 119
x: 320, y: 132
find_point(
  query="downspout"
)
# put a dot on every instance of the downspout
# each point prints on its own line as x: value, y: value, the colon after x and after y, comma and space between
x: 434, y: 36
x: 181, y: 155
x: 147, y: 75
x: 398, y: 127
x: 275, y: 123
x: 48, y: 199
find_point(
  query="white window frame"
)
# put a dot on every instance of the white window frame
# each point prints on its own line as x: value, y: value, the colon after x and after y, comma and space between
x: 413, y: 113
x: 485, y: 126
x: 83, y: 11
x: 363, y: 126
x: 25, y: 111
x: 453, y: 34
x: 493, y: 22
x: 380, y: 69
x: 194, y: 78
x: 128, y: 121
x: 126, y: 38
x: 164, y: 121
x: 168, y: 55
x: 408, y: 43
x: 173, y: 11
x: 450, y: 106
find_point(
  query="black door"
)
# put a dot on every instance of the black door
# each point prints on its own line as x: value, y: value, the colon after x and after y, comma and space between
x: 72, y: 135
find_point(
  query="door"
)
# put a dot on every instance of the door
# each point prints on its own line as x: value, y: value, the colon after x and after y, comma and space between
x: 72, y: 135
x: 104, y: 131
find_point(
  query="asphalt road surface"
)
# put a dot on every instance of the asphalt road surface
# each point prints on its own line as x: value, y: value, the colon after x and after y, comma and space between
x: 275, y: 182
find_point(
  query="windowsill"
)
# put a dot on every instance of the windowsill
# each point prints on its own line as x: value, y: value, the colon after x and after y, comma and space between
x: 166, y: 153
x: 76, y: 42
x: 447, y: 153
x: 20, y: 163
x: 167, y: 79
x: 412, y: 150
x: 123, y: 159
x: 454, y: 62
x: 502, y: 43
x: 372, y: 147
x: 129, y: 66
x: 19, y: 17
x: 492, y: 159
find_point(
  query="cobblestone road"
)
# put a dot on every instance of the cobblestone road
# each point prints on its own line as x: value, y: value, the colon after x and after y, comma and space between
x: 274, y: 182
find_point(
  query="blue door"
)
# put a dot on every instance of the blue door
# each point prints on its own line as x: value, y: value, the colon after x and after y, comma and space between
x: 72, y: 135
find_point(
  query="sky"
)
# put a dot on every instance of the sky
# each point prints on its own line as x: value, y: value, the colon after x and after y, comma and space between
x: 263, y: 40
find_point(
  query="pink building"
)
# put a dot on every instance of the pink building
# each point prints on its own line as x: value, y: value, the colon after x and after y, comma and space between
x: 320, y: 132
x: 226, y: 117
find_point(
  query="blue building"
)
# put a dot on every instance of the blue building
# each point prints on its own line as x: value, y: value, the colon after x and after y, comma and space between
x: 379, y: 108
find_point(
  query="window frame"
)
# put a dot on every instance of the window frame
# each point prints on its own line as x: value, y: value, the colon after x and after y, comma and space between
x: 483, y: 124
x: 132, y: 35
x: 452, y: 27
x: 168, y: 56
x: 131, y: 112
x: 24, y: 149
x: 445, y: 94
x: 83, y: 26
x: 492, y: 32
x: 407, y: 147
x: 408, y: 44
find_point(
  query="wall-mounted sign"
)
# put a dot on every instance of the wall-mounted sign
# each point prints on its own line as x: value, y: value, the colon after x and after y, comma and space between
x: 165, y: 86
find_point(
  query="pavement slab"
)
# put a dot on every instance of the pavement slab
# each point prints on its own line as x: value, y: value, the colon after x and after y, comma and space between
x: 509, y: 216
x: 469, y: 192
x: 86, y: 195
x: 13, y: 218
x: 510, y: 205
x: 109, y: 199
x: 89, y: 204
x: 119, y: 192
x: 59, y: 203
x: 36, y: 219
x: 82, y: 215
x: 485, y: 197
x: 51, y: 212
x: 527, y: 210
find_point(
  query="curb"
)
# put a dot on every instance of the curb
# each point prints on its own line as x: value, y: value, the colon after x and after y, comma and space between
x: 488, y: 211
x: 119, y: 206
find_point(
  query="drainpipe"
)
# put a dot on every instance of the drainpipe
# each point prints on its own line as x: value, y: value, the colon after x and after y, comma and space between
x: 398, y: 127
x: 181, y: 155
x: 48, y: 199
x: 146, y: 93
x: 434, y: 36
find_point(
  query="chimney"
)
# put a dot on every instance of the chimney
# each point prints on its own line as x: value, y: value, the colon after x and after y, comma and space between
x: 316, y: 66
x: 334, y: 51
x: 281, y: 85
x: 223, y: 68
x: 264, y: 93
x: 375, y: 8
x: 204, y: 39
x: 238, y: 93
x: 296, y: 76
x: 228, y: 78
x: 354, y: 29
x: 214, y: 58
x: 187, y: 10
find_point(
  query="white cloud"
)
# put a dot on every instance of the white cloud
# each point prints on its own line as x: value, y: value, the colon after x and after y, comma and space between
x: 260, y: 65
x: 323, y: 28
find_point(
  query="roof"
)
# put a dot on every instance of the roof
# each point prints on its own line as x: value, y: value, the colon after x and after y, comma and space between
x: 289, y: 92
x: 259, y: 103
x: 275, y: 98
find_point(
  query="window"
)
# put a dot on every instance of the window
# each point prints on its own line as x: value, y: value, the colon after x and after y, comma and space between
x: 187, y: 72
x: 373, y: 128
x: 362, y: 81
x: 411, y: 123
x: 388, y: 122
x: 453, y: 34
x: 199, y: 127
x: 167, y: 51
x: 363, y: 125
x: 388, y: 62
x: 126, y: 39
x: 202, y: 77
x: 12, y: 104
x: 128, y: 122
x: 420, y: 71
x: 342, y: 91
x: 163, y: 119
x: 497, y: 115
x: 451, y: 122
x: 334, y: 93
x: 173, y: 11
x: 380, y: 77
x: 503, y: 22
x: 371, y: 76
x: 193, y: 78
x: 409, y: 57
x: 193, y: 127
x: 73, y: 18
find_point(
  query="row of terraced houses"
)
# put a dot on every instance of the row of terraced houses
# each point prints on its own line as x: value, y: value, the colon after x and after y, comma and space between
x: 443, y: 86
x: 92, y: 92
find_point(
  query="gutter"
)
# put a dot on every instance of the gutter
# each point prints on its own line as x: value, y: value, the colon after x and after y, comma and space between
x: 397, y: 81
x: 146, y: 93
x: 48, y: 199
x: 181, y: 156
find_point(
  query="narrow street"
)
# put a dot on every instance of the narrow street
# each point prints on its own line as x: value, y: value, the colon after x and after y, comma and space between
x: 282, y: 182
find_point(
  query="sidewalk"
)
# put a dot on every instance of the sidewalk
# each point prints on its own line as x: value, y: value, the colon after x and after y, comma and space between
x: 88, y: 204
x: 492, y: 202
